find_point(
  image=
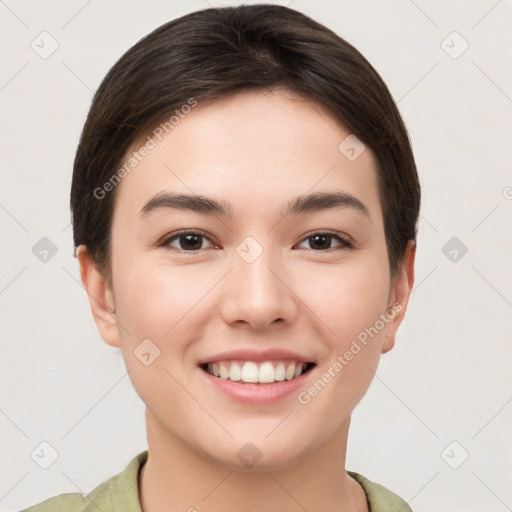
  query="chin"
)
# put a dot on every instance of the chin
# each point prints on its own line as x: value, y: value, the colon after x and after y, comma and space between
x: 259, y: 456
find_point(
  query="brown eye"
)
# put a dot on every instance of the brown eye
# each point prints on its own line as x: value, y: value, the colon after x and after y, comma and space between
x: 187, y: 241
x: 322, y: 241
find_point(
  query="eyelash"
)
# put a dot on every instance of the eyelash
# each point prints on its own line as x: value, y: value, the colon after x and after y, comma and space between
x: 345, y: 243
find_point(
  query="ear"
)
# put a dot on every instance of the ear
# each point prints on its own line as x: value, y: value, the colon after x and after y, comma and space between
x: 401, y: 288
x: 101, y: 298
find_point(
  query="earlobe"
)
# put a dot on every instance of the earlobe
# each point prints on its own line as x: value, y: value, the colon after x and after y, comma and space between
x: 100, y: 297
x: 388, y: 343
x: 399, y: 296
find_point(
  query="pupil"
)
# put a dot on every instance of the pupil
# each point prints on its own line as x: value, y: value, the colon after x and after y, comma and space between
x: 193, y: 242
x: 320, y: 237
x: 189, y: 241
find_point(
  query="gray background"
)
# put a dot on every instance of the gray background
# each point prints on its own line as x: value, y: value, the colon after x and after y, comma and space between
x: 447, y: 379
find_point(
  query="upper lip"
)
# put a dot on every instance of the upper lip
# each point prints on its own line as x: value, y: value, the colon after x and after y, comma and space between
x: 255, y: 355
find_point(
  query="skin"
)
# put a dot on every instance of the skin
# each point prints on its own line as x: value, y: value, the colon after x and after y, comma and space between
x: 257, y: 150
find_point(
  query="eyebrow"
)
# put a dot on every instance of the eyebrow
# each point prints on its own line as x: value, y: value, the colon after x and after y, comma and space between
x: 317, y: 201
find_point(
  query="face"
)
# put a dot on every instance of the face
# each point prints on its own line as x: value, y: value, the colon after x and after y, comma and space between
x: 258, y: 283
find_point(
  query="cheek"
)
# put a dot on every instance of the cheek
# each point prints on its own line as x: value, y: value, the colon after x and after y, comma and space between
x: 159, y: 303
x: 156, y: 299
x: 160, y: 300
x: 348, y: 299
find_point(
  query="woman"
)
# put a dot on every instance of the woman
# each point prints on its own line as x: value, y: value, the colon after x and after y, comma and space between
x: 221, y: 153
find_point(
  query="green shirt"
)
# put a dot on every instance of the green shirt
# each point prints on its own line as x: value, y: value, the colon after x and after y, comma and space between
x: 120, y: 494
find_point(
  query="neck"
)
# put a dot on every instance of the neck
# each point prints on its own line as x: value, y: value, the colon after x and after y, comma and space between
x: 177, y: 475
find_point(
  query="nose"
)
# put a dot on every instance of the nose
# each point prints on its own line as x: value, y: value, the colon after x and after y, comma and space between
x: 258, y: 293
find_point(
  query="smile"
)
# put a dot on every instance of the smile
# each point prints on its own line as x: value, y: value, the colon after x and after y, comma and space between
x: 263, y: 372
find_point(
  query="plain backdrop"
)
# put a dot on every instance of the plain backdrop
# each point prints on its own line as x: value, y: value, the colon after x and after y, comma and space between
x: 435, y: 425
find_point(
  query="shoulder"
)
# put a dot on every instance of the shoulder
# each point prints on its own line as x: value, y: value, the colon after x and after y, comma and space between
x: 63, y: 503
x: 380, y: 499
x: 117, y: 493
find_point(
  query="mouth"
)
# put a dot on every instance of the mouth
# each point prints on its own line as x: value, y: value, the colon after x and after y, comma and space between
x: 260, y: 372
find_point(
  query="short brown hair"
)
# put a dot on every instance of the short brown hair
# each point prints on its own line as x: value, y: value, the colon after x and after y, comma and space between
x: 211, y: 53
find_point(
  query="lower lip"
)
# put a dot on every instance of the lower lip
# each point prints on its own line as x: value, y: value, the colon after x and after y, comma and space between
x: 257, y: 393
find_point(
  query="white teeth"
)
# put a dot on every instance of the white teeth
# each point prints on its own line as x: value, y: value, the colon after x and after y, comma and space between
x: 266, y: 373
x: 223, y: 371
x: 249, y: 371
x: 235, y: 372
x: 280, y: 372
x: 290, y: 372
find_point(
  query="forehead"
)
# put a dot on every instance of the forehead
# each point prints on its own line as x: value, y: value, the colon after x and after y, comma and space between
x: 256, y: 148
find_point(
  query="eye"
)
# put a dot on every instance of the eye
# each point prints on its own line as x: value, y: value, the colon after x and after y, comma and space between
x: 321, y: 241
x: 192, y: 241
x: 187, y: 241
